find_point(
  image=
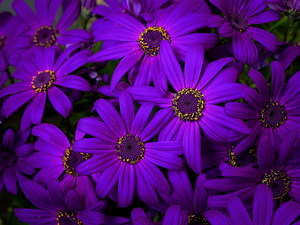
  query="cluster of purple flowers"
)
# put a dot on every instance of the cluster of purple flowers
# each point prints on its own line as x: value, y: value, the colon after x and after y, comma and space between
x: 176, y: 132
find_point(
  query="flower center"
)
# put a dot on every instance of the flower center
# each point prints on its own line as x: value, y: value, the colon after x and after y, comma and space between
x: 8, y: 158
x: 238, y: 21
x: 151, y: 38
x: 45, y: 36
x: 72, y: 159
x: 188, y: 104
x: 279, y: 183
x: 272, y: 115
x: 245, y: 158
x: 43, y: 81
x: 67, y: 217
x: 197, y: 218
x: 130, y: 149
x: 2, y: 41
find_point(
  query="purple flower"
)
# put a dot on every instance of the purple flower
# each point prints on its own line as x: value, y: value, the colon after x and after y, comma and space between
x: 122, y: 151
x: 12, y: 43
x: 194, y: 103
x: 57, y: 159
x: 14, y: 154
x: 278, y: 169
x: 42, y: 32
x: 140, y: 45
x: 55, y: 207
x: 239, y: 15
x: 268, y: 116
x: 292, y: 7
x: 262, y: 210
x: 40, y: 73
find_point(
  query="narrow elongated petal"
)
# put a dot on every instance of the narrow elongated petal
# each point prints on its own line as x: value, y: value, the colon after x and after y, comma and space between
x: 263, y: 205
x: 141, y: 118
x: 264, y: 37
x: 60, y: 101
x: 261, y: 84
x: 127, y: 109
x: 286, y: 213
x: 126, y: 185
x: 265, y: 155
x: 238, y: 211
x: 73, y: 82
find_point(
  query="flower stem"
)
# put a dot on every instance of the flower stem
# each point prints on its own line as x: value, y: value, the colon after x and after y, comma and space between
x: 287, y: 28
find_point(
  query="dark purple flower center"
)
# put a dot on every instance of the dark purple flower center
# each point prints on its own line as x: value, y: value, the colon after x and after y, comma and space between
x: 238, y: 21
x: 72, y: 159
x: 130, y: 149
x: 67, y: 217
x: 8, y: 158
x: 151, y: 38
x: 279, y: 183
x: 2, y: 42
x: 45, y: 36
x: 272, y: 115
x: 188, y: 104
x: 243, y: 159
x: 43, y: 81
x: 197, y: 218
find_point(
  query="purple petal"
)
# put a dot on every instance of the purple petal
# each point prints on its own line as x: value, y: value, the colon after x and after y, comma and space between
x: 73, y: 202
x: 41, y: 11
x: 217, y: 218
x: 263, y: 205
x: 86, y: 191
x: 154, y: 176
x: 253, y: 98
x: 265, y: 155
x: 172, y: 147
x: 15, y: 101
x: 175, y: 216
x: 144, y: 190
x: 226, y: 31
x: 111, y: 117
x: 192, y: 146
x: 286, y: 213
x: 91, y: 217
x: 291, y: 88
x: 73, y: 82
x: 40, y: 160
x: 125, y: 64
x: 24, y: 167
x: 26, y: 13
x: 97, y: 129
x: 53, y: 7
x: 201, y: 194
x: 261, y: 84
x: 141, y: 118
x: 118, y: 34
x: 55, y: 193
x: 93, y: 146
x: 160, y: 119
x: 16, y: 87
x: 10, y: 180
x: 159, y: 78
x: 168, y: 160
x: 215, y: 21
x: 240, y: 172
x: 69, y: 16
x: 74, y: 36
x: 60, y: 101
x: 237, y: 211
x: 169, y: 132
x: 36, y: 216
x: 193, y: 65
x: 224, y: 6
x: 241, y: 110
x: 62, y: 57
x: 288, y: 55
x: 24, y: 150
x: 47, y: 173
x: 126, y: 185
x: 108, y: 179
x: 38, y: 106
x: 264, y: 17
x: 97, y: 163
x: 171, y: 66
x: 264, y: 37
x: 127, y: 109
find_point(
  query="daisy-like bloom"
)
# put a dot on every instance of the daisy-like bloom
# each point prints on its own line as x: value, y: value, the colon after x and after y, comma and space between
x: 12, y: 43
x: 239, y: 16
x: 140, y: 45
x: 42, y: 32
x: 263, y: 211
x: 291, y: 7
x: 57, y: 159
x: 268, y: 116
x: 122, y: 151
x: 55, y: 207
x: 194, y: 103
x: 41, y: 74
x: 14, y: 154
x: 278, y: 169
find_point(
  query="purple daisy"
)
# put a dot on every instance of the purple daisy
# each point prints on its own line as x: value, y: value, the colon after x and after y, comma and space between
x: 268, y: 116
x: 278, y: 169
x: 194, y: 103
x: 12, y: 43
x: 122, y: 151
x: 57, y: 159
x: 262, y: 211
x: 292, y: 7
x: 40, y: 73
x: 239, y: 15
x: 140, y: 45
x: 14, y: 154
x: 42, y: 32
x: 55, y: 207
